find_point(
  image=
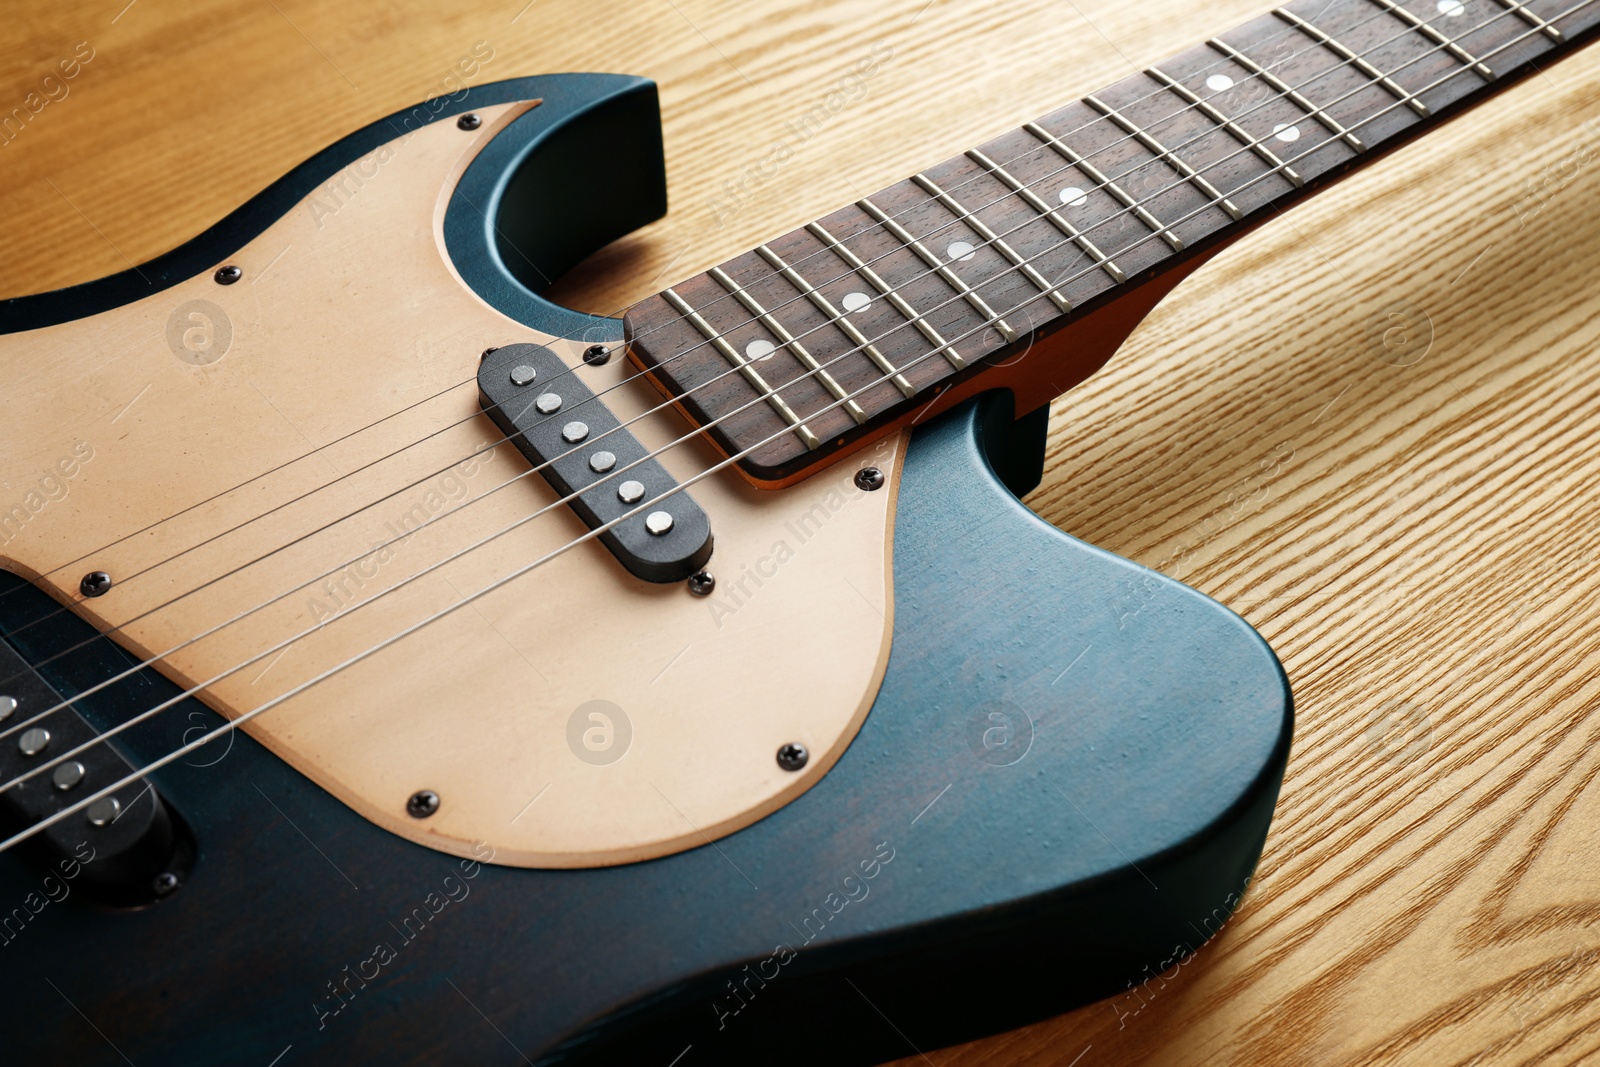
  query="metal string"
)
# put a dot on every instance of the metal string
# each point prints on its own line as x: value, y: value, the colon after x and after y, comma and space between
x: 590, y: 534
x: 356, y: 559
x: 756, y: 400
x: 1158, y: 92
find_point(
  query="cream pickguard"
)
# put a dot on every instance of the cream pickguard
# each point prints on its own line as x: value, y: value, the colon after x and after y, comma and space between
x: 278, y: 461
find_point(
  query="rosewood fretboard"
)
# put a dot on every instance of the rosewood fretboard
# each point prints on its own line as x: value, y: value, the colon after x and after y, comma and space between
x: 829, y: 334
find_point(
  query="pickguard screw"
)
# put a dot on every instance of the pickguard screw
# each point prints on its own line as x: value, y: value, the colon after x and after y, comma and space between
x: 701, y: 583
x: 597, y: 355
x: 792, y: 757
x: 164, y: 883
x: 869, y: 479
x: 228, y: 275
x: 469, y: 122
x: 423, y: 803
x: 95, y: 583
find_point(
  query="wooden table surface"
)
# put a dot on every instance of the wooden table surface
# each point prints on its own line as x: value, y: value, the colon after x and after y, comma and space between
x: 1416, y: 541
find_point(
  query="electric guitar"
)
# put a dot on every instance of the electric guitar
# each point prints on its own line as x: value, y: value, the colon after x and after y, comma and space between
x: 384, y: 641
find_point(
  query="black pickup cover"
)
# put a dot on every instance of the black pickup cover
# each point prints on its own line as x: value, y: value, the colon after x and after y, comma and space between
x: 565, y: 464
x: 140, y: 842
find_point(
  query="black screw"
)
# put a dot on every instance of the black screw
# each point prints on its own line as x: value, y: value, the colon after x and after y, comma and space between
x: 95, y: 583
x: 164, y: 883
x: 792, y: 757
x: 228, y: 275
x: 869, y: 479
x: 488, y: 351
x: 597, y: 355
x: 701, y: 583
x: 469, y: 121
x: 423, y: 803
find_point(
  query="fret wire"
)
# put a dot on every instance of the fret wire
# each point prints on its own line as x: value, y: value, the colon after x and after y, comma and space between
x: 1328, y: 121
x: 1532, y: 19
x: 848, y: 328
x: 1437, y: 82
x: 1438, y: 38
x: 779, y: 331
x: 972, y: 332
x: 169, y: 757
x: 994, y: 239
x: 1356, y: 61
x: 1209, y: 111
x: 1071, y: 231
x: 978, y: 303
x: 923, y: 326
x: 1551, y: 29
x: 1191, y: 175
x: 1018, y: 187
x: 1095, y: 175
x: 1080, y: 239
x: 1318, y: 113
x: 1369, y: 118
x: 745, y: 367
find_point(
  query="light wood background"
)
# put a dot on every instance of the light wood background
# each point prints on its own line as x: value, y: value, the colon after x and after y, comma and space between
x: 1417, y: 542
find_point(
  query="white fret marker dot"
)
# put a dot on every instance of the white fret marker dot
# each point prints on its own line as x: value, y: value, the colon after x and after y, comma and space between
x: 960, y: 250
x: 1072, y: 196
x: 854, y: 302
x: 760, y: 350
x: 1285, y: 132
x: 1451, y: 8
x: 1218, y: 82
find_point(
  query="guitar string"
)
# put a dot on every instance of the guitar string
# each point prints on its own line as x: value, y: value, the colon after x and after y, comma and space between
x: 1369, y: 119
x: 111, y: 544
x: 822, y: 252
x: 227, y: 726
x: 1285, y: 32
x: 759, y: 397
x: 226, y: 623
x: 222, y: 625
x: 1098, y: 120
x: 253, y: 478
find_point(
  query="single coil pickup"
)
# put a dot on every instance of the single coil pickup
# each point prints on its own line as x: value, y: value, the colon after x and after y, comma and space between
x: 572, y: 439
x: 126, y: 849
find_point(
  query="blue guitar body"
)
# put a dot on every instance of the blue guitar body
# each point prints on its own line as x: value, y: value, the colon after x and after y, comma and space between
x: 1062, y: 790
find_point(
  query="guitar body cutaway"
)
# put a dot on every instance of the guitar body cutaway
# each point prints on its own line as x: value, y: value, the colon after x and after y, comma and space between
x: 1062, y: 787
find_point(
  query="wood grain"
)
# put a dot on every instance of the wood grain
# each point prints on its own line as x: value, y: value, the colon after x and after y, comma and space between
x: 1414, y: 540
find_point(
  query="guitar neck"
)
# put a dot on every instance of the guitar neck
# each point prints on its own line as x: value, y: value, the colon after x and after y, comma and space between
x: 803, y: 348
